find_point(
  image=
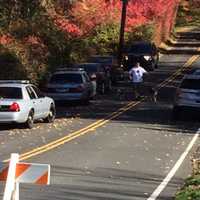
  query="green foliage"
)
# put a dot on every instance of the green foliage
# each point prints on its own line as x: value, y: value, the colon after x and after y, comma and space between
x: 193, y: 180
x: 12, y: 68
x: 105, y: 38
x: 23, y: 18
x: 143, y: 32
x: 191, y: 189
x: 5, y: 12
x: 190, y: 17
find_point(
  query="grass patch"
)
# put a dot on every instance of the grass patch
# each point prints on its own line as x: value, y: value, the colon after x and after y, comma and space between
x: 191, y: 189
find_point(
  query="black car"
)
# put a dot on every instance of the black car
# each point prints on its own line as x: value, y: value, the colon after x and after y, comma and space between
x: 100, y: 73
x: 110, y: 63
x: 106, y: 60
x: 146, y: 53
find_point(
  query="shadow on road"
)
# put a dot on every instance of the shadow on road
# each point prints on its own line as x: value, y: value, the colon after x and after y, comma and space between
x: 98, y: 184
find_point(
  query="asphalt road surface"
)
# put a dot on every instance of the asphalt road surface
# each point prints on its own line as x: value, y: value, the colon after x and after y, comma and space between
x: 114, y: 148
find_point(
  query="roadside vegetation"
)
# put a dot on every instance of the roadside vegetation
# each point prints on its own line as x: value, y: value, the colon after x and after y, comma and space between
x: 188, y: 14
x: 191, y: 189
x: 37, y: 36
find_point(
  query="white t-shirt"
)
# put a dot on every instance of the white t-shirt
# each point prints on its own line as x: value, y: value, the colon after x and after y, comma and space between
x: 136, y: 74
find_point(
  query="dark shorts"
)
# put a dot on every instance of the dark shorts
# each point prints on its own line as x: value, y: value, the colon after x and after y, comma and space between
x: 137, y: 89
x: 137, y: 86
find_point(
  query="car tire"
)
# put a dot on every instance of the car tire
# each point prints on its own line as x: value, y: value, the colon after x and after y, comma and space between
x: 176, y: 113
x: 51, y: 116
x: 30, y: 120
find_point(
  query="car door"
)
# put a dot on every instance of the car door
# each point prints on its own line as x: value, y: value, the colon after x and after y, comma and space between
x: 42, y: 102
x: 88, y: 83
x: 34, y: 102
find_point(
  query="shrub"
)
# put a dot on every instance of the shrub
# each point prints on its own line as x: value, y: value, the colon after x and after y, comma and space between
x: 143, y: 32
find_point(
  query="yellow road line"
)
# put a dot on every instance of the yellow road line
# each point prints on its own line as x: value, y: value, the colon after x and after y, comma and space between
x: 96, y: 124
x: 178, y: 72
x: 76, y: 134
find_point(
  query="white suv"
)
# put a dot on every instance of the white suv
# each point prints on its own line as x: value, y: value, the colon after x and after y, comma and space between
x: 187, y: 95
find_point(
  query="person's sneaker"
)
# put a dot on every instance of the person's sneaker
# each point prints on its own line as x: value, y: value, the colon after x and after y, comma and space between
x: 138, y: 98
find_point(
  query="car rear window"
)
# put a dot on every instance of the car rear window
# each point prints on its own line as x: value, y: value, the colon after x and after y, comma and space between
x: 10, y: 93
x: 140, y: 48
x: 103, y: 60
x: 90, y: 68
x: 191, y: 84
x: 66, y: 78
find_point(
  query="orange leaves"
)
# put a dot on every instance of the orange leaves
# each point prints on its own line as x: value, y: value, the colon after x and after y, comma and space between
x: 88, y: 14
x: 5, y: 39
x: 66, y: 26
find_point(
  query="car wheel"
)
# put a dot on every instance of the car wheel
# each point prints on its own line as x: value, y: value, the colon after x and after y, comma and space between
x: 30, y: 120
x: 175, y: 113
x: 51, y: 116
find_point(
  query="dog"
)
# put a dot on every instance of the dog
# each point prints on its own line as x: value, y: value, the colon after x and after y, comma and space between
x: 153, y: 94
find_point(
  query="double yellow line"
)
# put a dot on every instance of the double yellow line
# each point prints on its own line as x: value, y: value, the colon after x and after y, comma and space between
x: 178, y: 72
x: 98, y: 123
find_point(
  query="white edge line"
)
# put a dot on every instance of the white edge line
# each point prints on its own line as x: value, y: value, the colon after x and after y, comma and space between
x: 170, y: 175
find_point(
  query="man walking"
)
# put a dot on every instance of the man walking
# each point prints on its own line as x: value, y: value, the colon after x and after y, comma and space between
x: 136, y: 76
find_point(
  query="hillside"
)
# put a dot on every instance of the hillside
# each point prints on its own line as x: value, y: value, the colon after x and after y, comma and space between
x: 36, y: 36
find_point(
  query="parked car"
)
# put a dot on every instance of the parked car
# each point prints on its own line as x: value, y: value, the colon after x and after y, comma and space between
x: 110, y: 63
x: 102, y: 75
x: 117, y: 74
x: 194, y: 71
x: 146, y: 53
x: 187, y: 95
x: 70, y: 84
x: 22, y: 102
x: 107, y: 60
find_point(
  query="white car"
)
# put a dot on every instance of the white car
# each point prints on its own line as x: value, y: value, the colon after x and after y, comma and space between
x: 187, y: 95
x: 22, y: 102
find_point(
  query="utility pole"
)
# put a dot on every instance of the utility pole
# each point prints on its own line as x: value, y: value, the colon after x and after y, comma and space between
x: 121, y: 38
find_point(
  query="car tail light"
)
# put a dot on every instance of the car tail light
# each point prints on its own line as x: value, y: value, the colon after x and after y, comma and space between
x: 178, y: 92
x: 14, y: 107
x: 178, y: 95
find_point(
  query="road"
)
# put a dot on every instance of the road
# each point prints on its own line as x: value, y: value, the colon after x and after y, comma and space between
x: 114, y: 148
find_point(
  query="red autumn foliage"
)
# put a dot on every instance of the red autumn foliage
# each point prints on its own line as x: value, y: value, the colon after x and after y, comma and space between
x: 87, y: 14
x: 5, y: 39
x: 32, y: 40
x: 66, y: 26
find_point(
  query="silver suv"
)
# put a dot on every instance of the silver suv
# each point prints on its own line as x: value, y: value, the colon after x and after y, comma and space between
x: 70, y: 84
x: 22, y: 102
x: 187, y: 95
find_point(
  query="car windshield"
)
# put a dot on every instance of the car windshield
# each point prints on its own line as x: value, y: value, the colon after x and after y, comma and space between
x: 140, y: 48
x: 193, y: 84
x: 104, y: 60
x: 66, y: 78
x: 90, y: 68
x: 10, y: 93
